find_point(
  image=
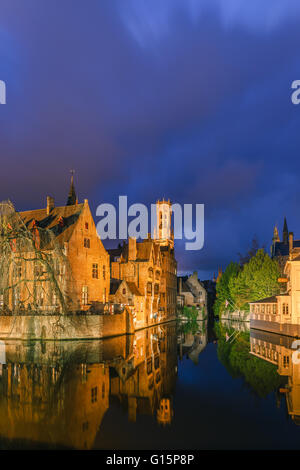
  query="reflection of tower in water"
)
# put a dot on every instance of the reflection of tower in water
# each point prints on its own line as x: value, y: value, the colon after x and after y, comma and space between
x: 149, y: 375
x: 165, y: 412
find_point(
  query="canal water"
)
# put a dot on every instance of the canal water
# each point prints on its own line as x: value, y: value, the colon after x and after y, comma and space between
x: 175, y: 386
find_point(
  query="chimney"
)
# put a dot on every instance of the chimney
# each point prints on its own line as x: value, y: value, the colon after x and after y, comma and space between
x: 131, y: 249
x: 50, y: 204
x: 291, y: 243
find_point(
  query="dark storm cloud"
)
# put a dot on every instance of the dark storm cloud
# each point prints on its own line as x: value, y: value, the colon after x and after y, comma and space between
x: 183, y: 99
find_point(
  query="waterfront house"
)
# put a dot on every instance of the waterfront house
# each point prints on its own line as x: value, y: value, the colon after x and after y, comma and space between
x: 281, y: 313
x: 55, y: 260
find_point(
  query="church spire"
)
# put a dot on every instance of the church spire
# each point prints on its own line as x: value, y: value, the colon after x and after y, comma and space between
x: 276, y: 235
x: 285, y: 232
x: 72, y: 199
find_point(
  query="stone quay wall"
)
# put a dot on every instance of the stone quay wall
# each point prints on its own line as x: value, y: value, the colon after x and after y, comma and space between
x: 63, y: 327
x: 288, y: 329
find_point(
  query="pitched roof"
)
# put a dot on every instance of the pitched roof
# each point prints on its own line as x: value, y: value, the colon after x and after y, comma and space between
x: 282, y: 249
x: 133, y: 288
x: 61, y: 221
x: 114, y: 285
x: 143, y: 250
x: 267, y: 300
x: 115, y: 253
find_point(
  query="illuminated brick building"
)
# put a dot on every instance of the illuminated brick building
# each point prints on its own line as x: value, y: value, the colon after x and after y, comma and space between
x: 64, y: 260
x: 151, y: 269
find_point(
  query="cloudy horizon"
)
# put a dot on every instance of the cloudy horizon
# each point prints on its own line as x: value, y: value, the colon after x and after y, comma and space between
x: 187, y: 100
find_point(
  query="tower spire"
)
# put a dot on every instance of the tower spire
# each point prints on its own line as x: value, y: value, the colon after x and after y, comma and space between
x: 276, y: 235
x: 72, y: 199
x: 285, y: 232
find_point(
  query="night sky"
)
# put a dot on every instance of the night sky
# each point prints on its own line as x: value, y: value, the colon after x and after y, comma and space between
x: 186, y: 99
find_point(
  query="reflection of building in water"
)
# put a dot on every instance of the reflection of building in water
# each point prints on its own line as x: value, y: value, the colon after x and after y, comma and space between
x: 278, y: 350
x: 192, y: 345
x: 56, y: 394
x: 242, y: 326
x: 149, y: 374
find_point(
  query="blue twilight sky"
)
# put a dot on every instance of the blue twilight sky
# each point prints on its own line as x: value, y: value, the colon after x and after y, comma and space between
x: 187, y: 99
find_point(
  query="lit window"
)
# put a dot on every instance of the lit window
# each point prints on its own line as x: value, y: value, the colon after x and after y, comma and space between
x: 95, y: 271
x: 286, y: 361
x: 285, y: 309
x: 94, y: 393
x: 86, y: 226
x: 85, y: 295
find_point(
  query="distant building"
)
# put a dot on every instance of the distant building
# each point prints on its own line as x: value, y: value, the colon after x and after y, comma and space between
x: 280, y: 249
x: 191, y: 292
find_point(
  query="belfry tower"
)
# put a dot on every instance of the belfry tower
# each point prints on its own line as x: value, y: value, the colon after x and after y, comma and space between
x: 163, y: 232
